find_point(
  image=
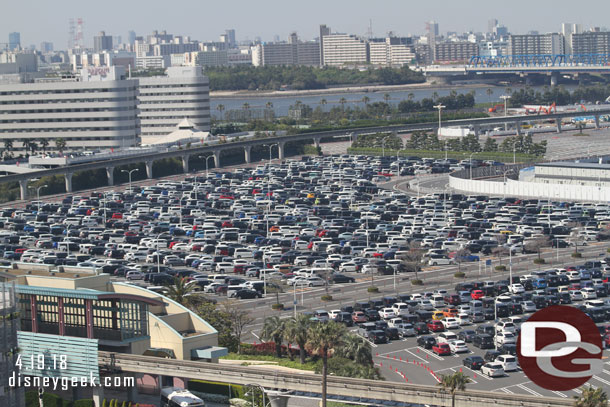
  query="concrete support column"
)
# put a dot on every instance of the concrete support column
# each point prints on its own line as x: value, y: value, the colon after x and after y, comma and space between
x: 23, y: 188
x: 316, y: 141
x: 60, y: 316
x: 216, y: 158
x: 149, y: 169
x: 68, y: 177
x: 247, y: 156
x: 558, y: 122
x: 597, y: 121
x: 132, y: 391
x: 98, y: 395
x: 34, y: 310
x: 280, y: 150
x: 518, y: 126
x: 554, y: 78
x: 185, y: 163
x: 477, y: 130
x: 278, y: 400
x: 110, y: 175
x: 89, y: 318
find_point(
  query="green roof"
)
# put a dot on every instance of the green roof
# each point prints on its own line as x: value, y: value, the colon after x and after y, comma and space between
x: 86, y: 294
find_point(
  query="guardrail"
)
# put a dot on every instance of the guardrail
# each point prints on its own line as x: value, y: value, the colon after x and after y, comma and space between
x: 308, y: 382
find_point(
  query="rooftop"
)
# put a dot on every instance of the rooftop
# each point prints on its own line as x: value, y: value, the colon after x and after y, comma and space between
x: 572, y: 164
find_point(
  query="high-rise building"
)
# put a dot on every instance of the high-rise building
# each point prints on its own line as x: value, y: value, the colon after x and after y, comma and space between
x: 491, y: 25
x: 569, y: 29
x: 324, y: 30
x: 391, y: 51
x: 14, y: 41
x: 46, y: 47
x: 184, y: 93
x: 529, y: 44
x: 455, y: 51
x: 230, y: 33
x: 431, y: 34
x: 102, y: 42
x: 131, y: 37
x: 96, y: 110
x: 590, y: 43
x: 341, y: 49
x: 293, y: 52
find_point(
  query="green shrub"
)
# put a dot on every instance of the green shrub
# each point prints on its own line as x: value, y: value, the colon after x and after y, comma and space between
x: 577, y: 255
x: 223, y: 389
x: 277, y: 307
x: 84, y: 403
x: 417, y: 281
x: 500, y: 268
x: 373, y: 289
x: 539, y: 261
x: 459, y: 274
x: 327, y: 297
x: 48, y: 399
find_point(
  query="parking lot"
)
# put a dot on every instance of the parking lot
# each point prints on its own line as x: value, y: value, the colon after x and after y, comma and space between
x: 302, y: 229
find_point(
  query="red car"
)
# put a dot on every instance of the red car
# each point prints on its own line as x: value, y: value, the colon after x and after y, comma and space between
x: 436, y: 326
x: 358, y: 317
x: 441, y: 349
x: 477, y: 294
x: 606, y: 341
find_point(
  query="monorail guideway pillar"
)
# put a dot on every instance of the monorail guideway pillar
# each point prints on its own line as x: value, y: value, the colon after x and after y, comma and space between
x: 216, y: 158
x: 110, y: 175
x: 247, y: 154
x: 558, y: 122
x: 23, y: 188
x: 68, y: 178
x: 149, y: 169
x: 597, y: 126
x: 185, y: 163
x: 281, y: 149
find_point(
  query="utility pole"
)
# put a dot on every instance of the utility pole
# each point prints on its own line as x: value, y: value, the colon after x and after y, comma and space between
x: 440, y: 107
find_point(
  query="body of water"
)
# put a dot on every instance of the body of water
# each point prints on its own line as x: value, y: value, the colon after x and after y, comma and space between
x: 281, y: 104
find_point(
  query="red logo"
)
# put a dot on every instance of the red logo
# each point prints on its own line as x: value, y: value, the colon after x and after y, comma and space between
x: 559, y: 348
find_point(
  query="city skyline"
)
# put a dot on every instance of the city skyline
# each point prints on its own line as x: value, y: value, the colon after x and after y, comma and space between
x: 51, y: 23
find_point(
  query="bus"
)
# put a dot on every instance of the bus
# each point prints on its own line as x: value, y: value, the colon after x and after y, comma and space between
x: 177, y: 397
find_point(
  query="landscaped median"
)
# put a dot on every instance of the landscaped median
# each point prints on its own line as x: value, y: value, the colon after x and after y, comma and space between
x: 484, y: 155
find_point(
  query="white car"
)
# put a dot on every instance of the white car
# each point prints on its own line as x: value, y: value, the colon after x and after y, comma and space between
x: 458, y: 346
x: 440, y: 261
x: 516, y: 289
x: 464, y: 318
x: 333, y: 313
x: 401, y: 308
x: 446, y: 337
x: 504, y: 338
x: 528, y: 306
x: 134, y: 275
x: 506, y: 326
x: 508, y: 362
x: 387, y: 313
x: 576, y: 295
x: 588, y: 293
x: 493, y: 369
x: 314, y: 282
x: 451, y: 323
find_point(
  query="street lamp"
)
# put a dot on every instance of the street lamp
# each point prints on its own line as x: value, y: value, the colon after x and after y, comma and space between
x: 130, y: 172
x: 38, y: 197
x: 261, y: 388
x: 470, y: 160
x: 440, y: 107
x: 206, y: 164
x: 383, y: 147
x: 505, y: 98
x: 589, y: 150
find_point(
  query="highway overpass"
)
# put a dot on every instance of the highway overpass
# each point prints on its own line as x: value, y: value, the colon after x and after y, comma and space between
x: 215, y: 150
x: 346, y: 388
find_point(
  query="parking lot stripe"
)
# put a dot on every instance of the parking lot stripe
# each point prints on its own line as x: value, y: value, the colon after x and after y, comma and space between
x: 434, y: 355
x: 505, y: 390
x: 417, y: 356
x: 577, y: 391
x: 601, y: 380
x: 527, y: 389
x: 478, y: 373
x: 560, y: 394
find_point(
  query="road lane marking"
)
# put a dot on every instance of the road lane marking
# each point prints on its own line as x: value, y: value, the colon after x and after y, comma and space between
x: 527, y: 389
x: 601, y: 380
x: 560, y: 394
x: 505, y: 390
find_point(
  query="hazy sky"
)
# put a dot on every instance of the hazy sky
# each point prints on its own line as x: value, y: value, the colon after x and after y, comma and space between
x: 46, y: 20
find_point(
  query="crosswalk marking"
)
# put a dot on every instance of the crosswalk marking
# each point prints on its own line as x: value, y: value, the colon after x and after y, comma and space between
x: 527, y: 389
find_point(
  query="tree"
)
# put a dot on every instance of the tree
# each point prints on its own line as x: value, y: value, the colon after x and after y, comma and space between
x: 180, y: 291
x: 489, y: 92
x: 454, y: 383
x: 499, y: 252
x: 355, y: 348
x: 221, y: 109
x: 412, y: 259
x: 44, y: 143
x: 342, y: 102
x: 210, y: 313
x: 490, y: 145
x: 239, y: 319
x: 323, y: 102
x: 366, y: 100
x: 8, y: 146
x: 386, y: 97
x: 296, y: 332
x: 591, y: 397
x: 245, y: 106
x: 27, y: 144
x: 324, y: 339
x: 411, y: 96
x: 434, y: 96
x: 536, y: 245
x: 60, y: 144
x: 460, y: 257
x: 274, y: 329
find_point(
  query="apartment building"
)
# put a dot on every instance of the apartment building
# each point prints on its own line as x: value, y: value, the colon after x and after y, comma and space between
x: 164, y: 101
x: 95, y: 110
x: 391, y: 51
x: 538, y: 44
x: 452, y: 52
x: 590, y: 43
x: 344, y: 49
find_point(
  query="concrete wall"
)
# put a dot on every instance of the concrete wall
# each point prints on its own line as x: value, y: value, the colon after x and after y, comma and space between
x: 93, y: 282
x: 532, y: 189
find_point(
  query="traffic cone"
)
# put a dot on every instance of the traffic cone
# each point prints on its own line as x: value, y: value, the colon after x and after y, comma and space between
x: 427, y: 356
x: 475, y: 375
x: 394, y: 357
x: 400, y: 358
x: 460, y: 370
x: 407, y: 380
x: 381, y: 364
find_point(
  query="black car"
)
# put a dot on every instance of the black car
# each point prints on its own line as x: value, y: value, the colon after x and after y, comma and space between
x: 489, y: 314
x: 491, y: 355
x: 392, y: 333
x: 246, y: 294
x: 426, y: 341
x: 467, y: 335
x: 564, y: 298
x: 473, y: 362
x: 340, y: 278
x: 486, y: 329
x: 344, y: 318
x: 421, y: 328
x: 378, y: 336
x: 483, y: 341
x: 508, y: 349
x: 372, y: 315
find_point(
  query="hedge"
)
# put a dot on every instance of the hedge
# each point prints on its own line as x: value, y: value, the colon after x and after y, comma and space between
x: 48, y: 399
x: 223, y: 389
x: 483, y: 155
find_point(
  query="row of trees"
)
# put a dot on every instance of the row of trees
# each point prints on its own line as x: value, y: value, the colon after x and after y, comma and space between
x: 453, y: 101
x: 304, y: 77
x: 559, y: 95
x: 32, y: 145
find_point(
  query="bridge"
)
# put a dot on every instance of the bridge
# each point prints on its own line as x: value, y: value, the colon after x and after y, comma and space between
x: 546, y: 64
x: 343, y: 388
x: 215, y: 150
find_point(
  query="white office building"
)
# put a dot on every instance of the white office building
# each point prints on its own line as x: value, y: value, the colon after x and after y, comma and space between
x: 344, y: 49
x: 96, y: 110
x: 165, y: 101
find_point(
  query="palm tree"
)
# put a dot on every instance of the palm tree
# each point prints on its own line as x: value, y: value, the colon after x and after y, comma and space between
x: 180, y: 291
x: 591, y: 397
x: 508, y: 91
x: 366, y: 100
x: 323, y: 339
x: 274, y: 330
x: 386, y: 97
x: 296, y: 332
x: 44, y: 143
x: 8, y: 145
x: 269, y: 105
x: 221, y: 109
x: 323, y: 102
x: 434, y: 96
x: 411, y: 96
x: 60, y: 144
x: 489, y: 92
x: 454, y: 383
x: 342, y: 102
x: 27, y: 144
x: 357, y: 349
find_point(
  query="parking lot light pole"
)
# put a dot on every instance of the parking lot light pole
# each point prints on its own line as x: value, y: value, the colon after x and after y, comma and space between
x: 294, y: 300
x: 440, y: 107
x: 38, y: 197
x: 130, y: 172
x: 206, y: 164
x: 158, y: 254
x: 505, y: 98
x: 470, y: 160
